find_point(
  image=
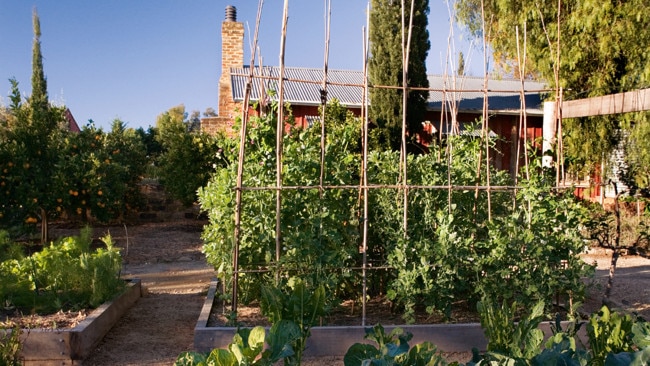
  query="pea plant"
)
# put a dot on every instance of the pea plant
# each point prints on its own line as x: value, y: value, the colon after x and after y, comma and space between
x: 319, y: 228
x: 455, y: 247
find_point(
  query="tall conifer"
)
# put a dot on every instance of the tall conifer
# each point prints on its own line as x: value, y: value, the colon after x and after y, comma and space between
x: 39, y: 99
x: 386, y: 65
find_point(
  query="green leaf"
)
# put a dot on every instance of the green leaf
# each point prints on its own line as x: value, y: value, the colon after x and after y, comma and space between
x: 221, y: 357
x: 281, y: 338
x: 359, y: 352
x: 190, y: 359
x: 641, y: 331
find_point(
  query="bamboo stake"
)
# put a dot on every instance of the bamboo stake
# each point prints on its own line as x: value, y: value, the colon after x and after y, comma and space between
x: 484, y: 127
x: 240, y: 166
x: 279, y: 141
x: 452, y: 107
x: 558, y: 93
x: 328, y: 13
x: 384, y: 186
x: 406, y: 48
x: 364, y: 171
x: 522, y: 113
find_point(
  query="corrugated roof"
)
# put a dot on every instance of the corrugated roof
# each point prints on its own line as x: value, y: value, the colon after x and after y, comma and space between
x: 302, y: 86
x: 504, y: 95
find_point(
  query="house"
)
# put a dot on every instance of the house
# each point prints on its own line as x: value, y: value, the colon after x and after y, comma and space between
x: 72, y: 123
x: 302, y: 89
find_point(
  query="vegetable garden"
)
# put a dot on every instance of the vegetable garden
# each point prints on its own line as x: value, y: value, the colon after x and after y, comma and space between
x: 301, y: 219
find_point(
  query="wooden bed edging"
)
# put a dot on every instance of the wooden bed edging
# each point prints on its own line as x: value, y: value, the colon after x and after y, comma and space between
x: 335, y: 340
x: 70, y: 346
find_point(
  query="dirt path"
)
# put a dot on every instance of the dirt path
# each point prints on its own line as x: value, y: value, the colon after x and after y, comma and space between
x: 167, y: 258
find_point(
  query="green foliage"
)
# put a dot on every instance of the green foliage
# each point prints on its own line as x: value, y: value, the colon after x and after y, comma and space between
x: 100, y: 172
x: 297, y: 304
x: 67, y: 274
x: 28, y: 163
x: 10, y: 346
x: 46, y: 170
x: 535, y: 247
x: 450, y: 252
x: 507, y: 338
x: 28, y: 147
x: 187, y: 157
x: 385, y: 69
x: 391, y: 349
x: 603, y: 45
x: 609, y: 333
x: 637, y: 157
x: 319, y: 231
x: 247, y: 348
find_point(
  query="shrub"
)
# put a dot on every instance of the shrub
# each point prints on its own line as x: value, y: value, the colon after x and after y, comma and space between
x: 67, y: 274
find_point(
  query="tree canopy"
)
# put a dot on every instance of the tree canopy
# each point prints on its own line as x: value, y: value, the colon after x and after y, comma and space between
x: 603, y: 49
x: 386, y: 66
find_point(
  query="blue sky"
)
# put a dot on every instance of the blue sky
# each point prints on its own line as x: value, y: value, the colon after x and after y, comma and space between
x: 135, y: 59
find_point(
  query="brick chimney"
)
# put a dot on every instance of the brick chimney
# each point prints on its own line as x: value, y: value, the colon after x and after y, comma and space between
x: 232, y: 55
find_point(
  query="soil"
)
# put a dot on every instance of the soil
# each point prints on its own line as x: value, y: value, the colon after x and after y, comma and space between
x: 167, y: 258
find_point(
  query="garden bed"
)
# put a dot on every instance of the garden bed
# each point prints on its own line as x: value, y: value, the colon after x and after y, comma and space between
x: 41, y: 346
x: 336, y: 339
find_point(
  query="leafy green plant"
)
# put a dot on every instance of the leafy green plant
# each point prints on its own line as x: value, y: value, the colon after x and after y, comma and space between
x: 391, y: 349
x: 298, y: 304
x: 506, y: 337
x: 609, y: 333
x: 319, y: 229
x: 247, y: 348
x: 67, y: 274
x: 10, y: 346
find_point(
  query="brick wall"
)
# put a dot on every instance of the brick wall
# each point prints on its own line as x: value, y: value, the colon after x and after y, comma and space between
x: 215, y: 125
x: 232, y: 55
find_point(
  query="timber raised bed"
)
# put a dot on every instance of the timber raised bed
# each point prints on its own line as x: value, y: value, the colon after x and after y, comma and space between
x: 335, y: 340
x: 71, y: 346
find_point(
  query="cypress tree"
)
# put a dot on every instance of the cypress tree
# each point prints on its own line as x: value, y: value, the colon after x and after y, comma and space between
x: 385, y: 69
x: 39, y: 139
x: 38, y: 101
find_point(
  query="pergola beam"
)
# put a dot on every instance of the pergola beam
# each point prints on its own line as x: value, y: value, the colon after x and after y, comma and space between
x: 632, y: 101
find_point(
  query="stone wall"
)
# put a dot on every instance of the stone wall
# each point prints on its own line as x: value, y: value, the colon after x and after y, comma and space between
x: 160, y: 207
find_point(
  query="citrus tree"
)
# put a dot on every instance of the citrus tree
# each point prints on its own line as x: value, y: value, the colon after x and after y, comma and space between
x: 188, y: 155
x: 100, y: 172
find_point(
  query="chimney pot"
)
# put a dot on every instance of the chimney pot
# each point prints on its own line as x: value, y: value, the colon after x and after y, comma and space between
x: 231, y: 13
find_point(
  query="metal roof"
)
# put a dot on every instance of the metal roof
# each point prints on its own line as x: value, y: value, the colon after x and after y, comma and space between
x: 504, y: 95
x: 302, y: 86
